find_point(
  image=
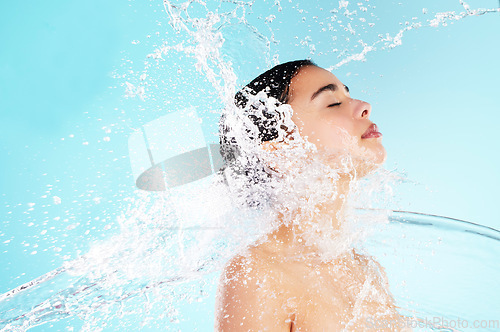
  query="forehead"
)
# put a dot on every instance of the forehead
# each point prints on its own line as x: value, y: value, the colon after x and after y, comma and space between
x: 309, y: 79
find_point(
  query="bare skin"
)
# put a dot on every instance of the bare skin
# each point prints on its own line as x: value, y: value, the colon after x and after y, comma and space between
x: 260, y: 291
x: 282, y: 284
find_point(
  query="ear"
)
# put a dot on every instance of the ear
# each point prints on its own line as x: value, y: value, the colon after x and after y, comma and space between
x: 271, y: 146
x: 282, y: 157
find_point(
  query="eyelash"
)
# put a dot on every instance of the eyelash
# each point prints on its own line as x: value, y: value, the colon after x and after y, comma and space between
x: 336, y: 104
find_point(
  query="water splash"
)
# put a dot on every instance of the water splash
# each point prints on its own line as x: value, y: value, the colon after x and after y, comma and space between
x: 162, y: 255
x: 159, y: 258
x: 391, y: 41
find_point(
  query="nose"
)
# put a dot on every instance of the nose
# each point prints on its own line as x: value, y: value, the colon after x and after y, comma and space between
x: 362, y: 110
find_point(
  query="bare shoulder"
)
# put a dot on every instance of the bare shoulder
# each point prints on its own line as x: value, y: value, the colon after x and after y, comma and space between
x: 375, y: 298
x: 250, y: 295
x: 372, y: 268
x: 244, y: 266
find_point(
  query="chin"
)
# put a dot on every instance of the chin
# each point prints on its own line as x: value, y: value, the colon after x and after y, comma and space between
x: 370, y: 160
x: 356, y: 162
x: 380, y: 156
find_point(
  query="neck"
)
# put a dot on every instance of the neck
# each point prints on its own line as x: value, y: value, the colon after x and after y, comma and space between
x: 299, y: 228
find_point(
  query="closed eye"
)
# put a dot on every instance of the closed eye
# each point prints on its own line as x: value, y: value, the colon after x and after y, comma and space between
x: 335, y: 104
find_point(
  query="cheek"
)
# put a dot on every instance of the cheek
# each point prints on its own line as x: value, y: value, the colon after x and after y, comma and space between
x: 326, y: 132
x: 335, y: 134
x: 331, y: 137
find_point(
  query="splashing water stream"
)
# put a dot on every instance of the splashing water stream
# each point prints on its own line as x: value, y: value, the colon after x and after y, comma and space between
x: 172, y: 245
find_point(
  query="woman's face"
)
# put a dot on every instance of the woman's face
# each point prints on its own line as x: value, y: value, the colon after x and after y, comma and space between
x: 337, y: 124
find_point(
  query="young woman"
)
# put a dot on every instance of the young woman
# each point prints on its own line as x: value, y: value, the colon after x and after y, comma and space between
x: 308, y: 137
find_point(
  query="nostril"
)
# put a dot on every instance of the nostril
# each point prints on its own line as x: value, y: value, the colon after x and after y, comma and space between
x: 364, y: 113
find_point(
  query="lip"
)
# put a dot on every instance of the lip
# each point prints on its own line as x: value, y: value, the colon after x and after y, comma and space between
x: 372, y: 132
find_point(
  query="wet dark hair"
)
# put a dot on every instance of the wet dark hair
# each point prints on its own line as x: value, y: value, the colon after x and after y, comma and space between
x: 276, y: 84
x: 256, y: 113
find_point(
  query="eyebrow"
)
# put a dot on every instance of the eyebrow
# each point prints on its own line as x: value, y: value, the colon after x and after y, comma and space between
x: 329, y: 87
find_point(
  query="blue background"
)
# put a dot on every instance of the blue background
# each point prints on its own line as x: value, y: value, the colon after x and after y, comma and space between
x: 65, y: 120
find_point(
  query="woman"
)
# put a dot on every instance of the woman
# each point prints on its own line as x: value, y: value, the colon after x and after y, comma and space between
x: 306, y: 136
